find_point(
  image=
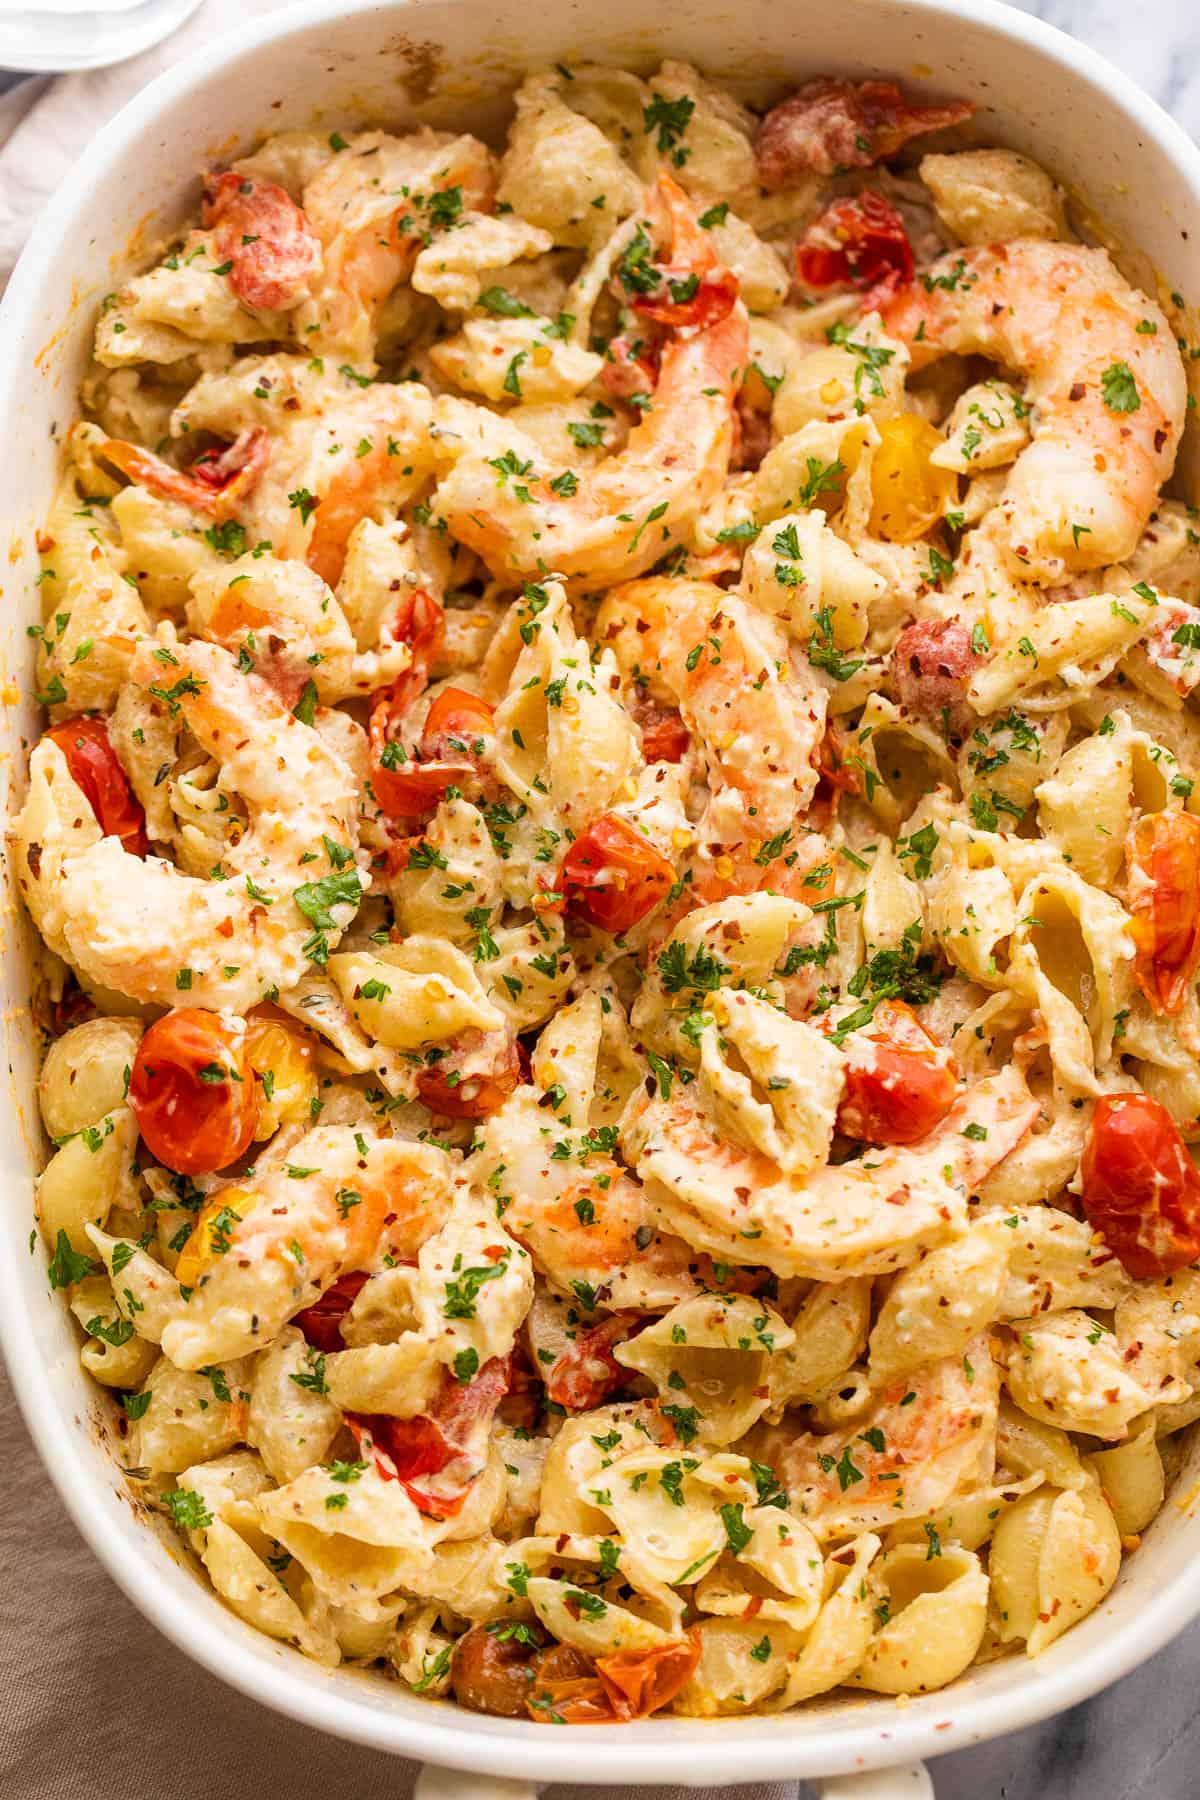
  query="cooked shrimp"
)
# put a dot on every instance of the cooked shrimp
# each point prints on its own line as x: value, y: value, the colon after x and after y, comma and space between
x: 585, y: 1221
x: 1103, y: 375
x: 265, y: 1247
x: 286, y: 889
x: 929, y: 1435
x: 280, y: 618
x: 621, y: 515
x: 372, y: 207
x: 860, y: 1218
x: 727, y: 667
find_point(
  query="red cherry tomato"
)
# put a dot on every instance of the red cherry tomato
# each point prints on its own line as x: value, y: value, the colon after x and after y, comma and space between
x: 587, y: 1372
x: 860, y: 242
x: 612, y: 876
x: 191, y: 1092
x: 900, y: 1082
x: 458, y: 1420
x: 96, y: 770
x: 260, y: 230
x: 1164, y: 898
x: 321, y: 1322
x: 473, y: 1079
x: 1141, y: 1190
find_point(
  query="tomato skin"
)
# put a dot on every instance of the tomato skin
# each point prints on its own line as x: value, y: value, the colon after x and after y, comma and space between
x: 832, y: 124
x: 1163, y: 855
x: 265, y: 235
x: 406, y: 1449
x: 712, y: 299
x: 457, y: 720
x: 215, y: 484
x: 909, y: 1087
x: 321, y: 1322
x: 665, y: 737
x: 96, y: 770
x: 639, y: 1682
x: 613, y: 876
x: 859, y: 241
x: 587, y: 1372
x: 192, y: 1125
x: 1141, y: 1191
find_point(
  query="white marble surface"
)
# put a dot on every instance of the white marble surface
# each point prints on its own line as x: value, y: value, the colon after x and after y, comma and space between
x: 1138, y: 1741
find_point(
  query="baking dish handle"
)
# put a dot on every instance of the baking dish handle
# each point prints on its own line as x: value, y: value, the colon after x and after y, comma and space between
x: 459, y: 1784
x: 909, y: 1781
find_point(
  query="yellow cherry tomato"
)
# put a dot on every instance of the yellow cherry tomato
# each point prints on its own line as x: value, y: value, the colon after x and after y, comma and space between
x: 908, y: 494
x: 213, y: 1232
x: 282, y: 1061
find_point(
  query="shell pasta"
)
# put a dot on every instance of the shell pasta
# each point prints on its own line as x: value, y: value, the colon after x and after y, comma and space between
x: 619, y: 887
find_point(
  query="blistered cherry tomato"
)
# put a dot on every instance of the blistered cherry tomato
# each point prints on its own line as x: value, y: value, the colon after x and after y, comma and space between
x: 95, y: 769
x: 1141, y: 1190
x: 612, y: 876
x: 321, y: 1322
x: 665, y: 737
x: 1164, y: 899
x: 260, y: 230
x: 191, y: 1092
x: 860, y: 242
x: 900, y: 1082
x: 640, y: 1682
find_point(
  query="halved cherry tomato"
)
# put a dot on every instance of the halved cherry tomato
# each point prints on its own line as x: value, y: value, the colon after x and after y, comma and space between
x: 1163, y: 856
x: 900, y: 1082
x: 612, y: 876
x: 830, y: 124
x: 462, y: 1085
x: 1140, y: 1187
x: 321, y: 1322
x: 455, y: 723
x: 406, y: 1449
x: 587, y: 1372
x: 96, y: 770
x: 909, y: 494
x: 217, y: 482
x: 260, y: 230
x: 861, y: 242
x: 191, y: 1092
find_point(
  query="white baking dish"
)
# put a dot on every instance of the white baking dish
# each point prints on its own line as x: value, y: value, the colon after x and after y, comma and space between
x: 454, y: 61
